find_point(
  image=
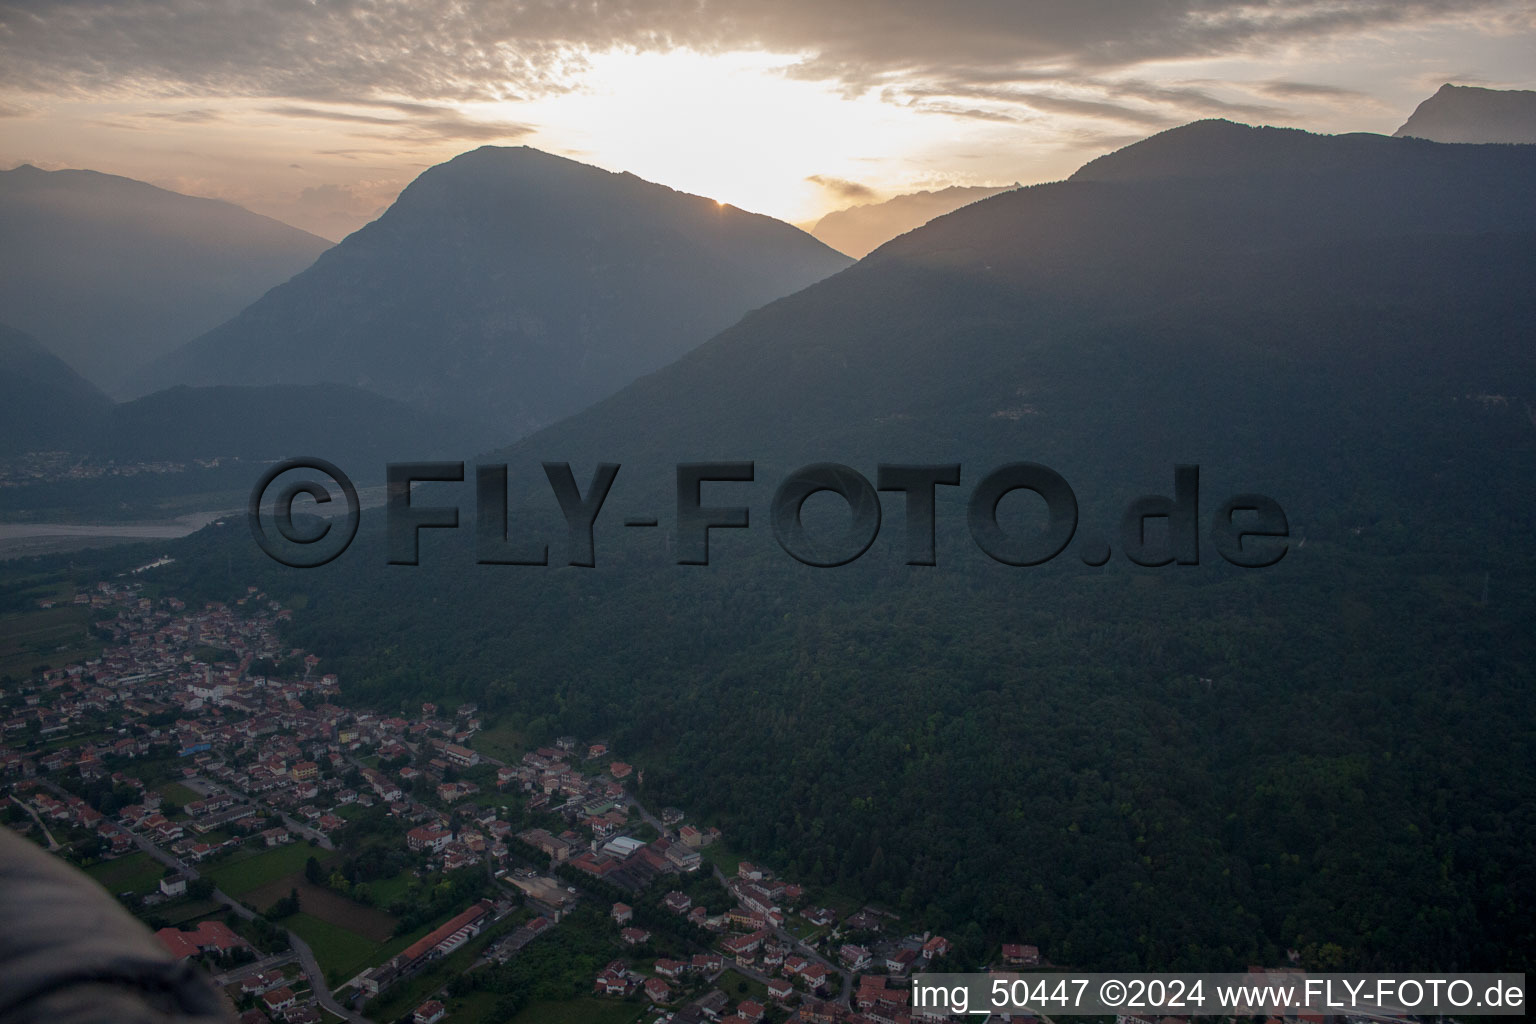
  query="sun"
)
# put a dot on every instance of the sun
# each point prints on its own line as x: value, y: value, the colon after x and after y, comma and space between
x: 735, y: 127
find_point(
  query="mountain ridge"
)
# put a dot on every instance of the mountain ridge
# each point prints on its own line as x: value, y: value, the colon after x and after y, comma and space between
x: 1175, y: 748
x: 514, y: 287
x: 859, y: 230
x: 109, y: 272
x: 1473, y: 114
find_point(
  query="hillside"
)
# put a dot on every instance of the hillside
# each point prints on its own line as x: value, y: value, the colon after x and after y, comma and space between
x: 341, y: 423
x: 78, y: 455
x: 1193, y: 766
x: 43, y: 403
x: 859, y: 230
x: 512, y: 287
x: 111, y: 273
x: 1467, y: 113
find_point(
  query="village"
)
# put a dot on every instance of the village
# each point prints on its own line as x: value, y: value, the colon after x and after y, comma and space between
x: 208, y: 776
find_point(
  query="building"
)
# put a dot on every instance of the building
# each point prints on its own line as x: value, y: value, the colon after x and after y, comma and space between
x: 263, y: 981
x: 1020, y: 955
x: 429, y: 1012
x: 428, y: 838
x: 684, y: 857
x: 439, y: 942
x: 279, y: 999
x: 459, y: 757
x: 215, y: 935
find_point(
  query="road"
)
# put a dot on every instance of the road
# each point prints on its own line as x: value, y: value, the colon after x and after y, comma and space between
x: 246, y: 970
x: 317, y: 982
x: 306, y: 956
x: 205, y: 787
x: 53, y: 844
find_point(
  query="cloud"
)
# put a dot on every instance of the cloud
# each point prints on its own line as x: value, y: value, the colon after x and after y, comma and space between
x: 433, y: 124
x: 968, y: 113
x: 1309, y: 91
x: 842, y: 187
x: 329, y: 197
x: 393, y: 51
x: 1093, y: 108
x: 196, y: 116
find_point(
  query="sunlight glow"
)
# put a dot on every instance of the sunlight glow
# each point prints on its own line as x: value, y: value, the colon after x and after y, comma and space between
x: 733, y: 126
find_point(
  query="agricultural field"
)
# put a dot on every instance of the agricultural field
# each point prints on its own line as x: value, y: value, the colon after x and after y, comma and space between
x: 372, y: 925
x: 177, y: 793
x: 46, y: 636
x: 185, y: 913
x: 254, y: 867
x: 342, y: 953
x: 502, y: 741
x: 137, y: 872
x: 722, y: 858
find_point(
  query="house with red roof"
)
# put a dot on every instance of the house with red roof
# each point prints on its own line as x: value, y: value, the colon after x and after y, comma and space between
x: 429, y: 1012
x: 215, y: 935
x: 1020, y: 955
x: 279, y: 999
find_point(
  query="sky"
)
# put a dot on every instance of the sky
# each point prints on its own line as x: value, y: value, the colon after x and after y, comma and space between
x: 318, y: 112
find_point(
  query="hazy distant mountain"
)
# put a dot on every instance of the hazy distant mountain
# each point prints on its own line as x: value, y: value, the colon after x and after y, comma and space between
x: 1467, y: 113
x: 43, y: 403
x: 860, y: 229
x: 1137, y: 768
x: 513, y: 287
x: 110, y: 273
x: 334, y: 421
x: 188, y: 449
x: 46, y: 407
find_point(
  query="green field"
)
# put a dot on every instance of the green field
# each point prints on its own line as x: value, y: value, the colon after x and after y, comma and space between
x: 253, y: 868
x: 51, y: 636
x: 730, y: 983
x: 388, y: 890
x: 178, y: 793
x: 722, y: 858
x: 340, y: 951
x: 185, y: 913
x: 503, y: 742
x: 802, y: 929
x: 475, y: 1008
x: 580, y: 1011
x: 137, y: 872
x: 345, y: 952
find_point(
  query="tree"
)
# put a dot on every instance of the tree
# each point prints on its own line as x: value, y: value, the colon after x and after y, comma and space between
x: 287, y: 906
